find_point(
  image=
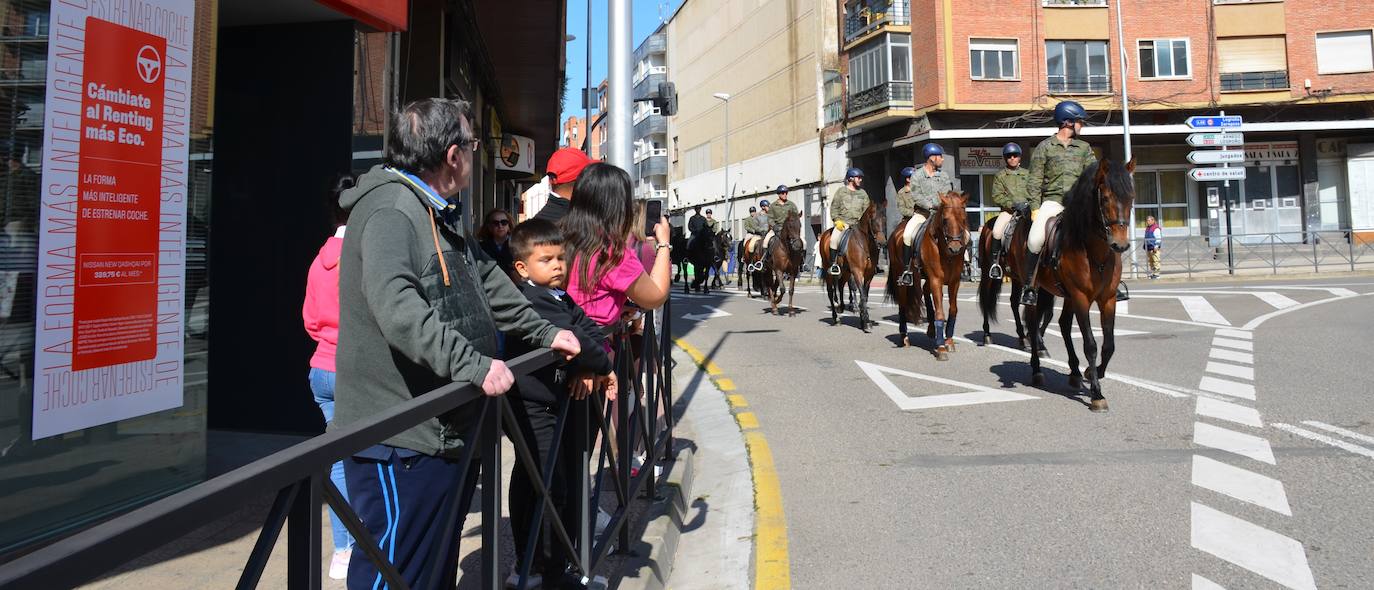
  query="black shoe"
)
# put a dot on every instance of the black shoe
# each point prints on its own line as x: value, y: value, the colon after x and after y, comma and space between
x: 906, y: 280
x: 995, y: 272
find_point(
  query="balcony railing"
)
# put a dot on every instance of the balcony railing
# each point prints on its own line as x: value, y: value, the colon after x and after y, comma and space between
x: 1275, y: 80
x: 647, y: 86
x: 1072, y: 3
x: 887, y: 95
x: 641, y: 155
x: 650, y: 126
x: 834, y: 112
x: 1079, y: 85
x: 642, y: 73
x: 866, y: 16
x: 641, y: 114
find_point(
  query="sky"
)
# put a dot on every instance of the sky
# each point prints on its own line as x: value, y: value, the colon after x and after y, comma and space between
x: 646, y: 15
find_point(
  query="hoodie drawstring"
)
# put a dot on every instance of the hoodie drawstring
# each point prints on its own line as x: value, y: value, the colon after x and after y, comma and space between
x: 443, y: 266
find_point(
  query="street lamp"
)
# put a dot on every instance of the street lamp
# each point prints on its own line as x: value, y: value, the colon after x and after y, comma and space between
x: 723, y: 97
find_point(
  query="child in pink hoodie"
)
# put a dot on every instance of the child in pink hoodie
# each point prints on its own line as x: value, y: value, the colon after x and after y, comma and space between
x: 321, y: 314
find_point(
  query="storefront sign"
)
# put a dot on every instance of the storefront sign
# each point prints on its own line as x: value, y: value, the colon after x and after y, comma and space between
x: 1330, y: 148
x: 1271, y: 152
x: 980, y: 160
x: 385, y: 15
x: 516, y: 154
x: 111, y: 276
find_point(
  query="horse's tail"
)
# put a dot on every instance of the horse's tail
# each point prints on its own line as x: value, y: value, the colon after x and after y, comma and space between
x: 988, y: 289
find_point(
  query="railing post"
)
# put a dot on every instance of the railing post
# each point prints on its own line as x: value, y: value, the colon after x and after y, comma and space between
x: 623, y: 405
x: 1316, y: 267
x: 491, y: 495
x: 1273, y: 253
x: 303, y: 537
x: 1188, y: 256
x: 1350, y: 247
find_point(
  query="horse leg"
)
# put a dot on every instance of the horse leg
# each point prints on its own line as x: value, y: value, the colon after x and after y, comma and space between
x: 987, y: 329
x: 1108, y: 319
x: 857, y: 291
x: 937, y: 319
x: 1043, y: 322
x: 1085, y: 326
x: 791, y: 293
x: 1066, y: 328
x: 1016, y: 290
x: 901, y: 293
x: 952, y: 314
x: 830, y: 297
x: 1037, y: 378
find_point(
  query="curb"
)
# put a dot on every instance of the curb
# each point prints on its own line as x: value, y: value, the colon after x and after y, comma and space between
x: 663, y: 528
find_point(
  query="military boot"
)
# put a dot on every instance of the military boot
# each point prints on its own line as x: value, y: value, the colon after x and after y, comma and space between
x: 995, y: 252
x: 1030, y: 295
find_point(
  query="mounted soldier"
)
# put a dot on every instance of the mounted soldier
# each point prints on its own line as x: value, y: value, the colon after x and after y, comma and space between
x: 777, y: 214
x: 1010, y: 192
x: 1055, y: 166
x: 847, y: 207
x: 755, y: 227
x: 927, y: 184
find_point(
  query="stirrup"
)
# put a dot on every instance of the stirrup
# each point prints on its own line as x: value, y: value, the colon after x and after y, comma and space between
x: 906, y: 280
x: 995, y: 272
x: 1030, y: 296
x: 1123, y: 293
x: 834, y: 269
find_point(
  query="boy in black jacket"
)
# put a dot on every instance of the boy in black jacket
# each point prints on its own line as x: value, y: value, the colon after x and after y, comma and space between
x: 537, y: 246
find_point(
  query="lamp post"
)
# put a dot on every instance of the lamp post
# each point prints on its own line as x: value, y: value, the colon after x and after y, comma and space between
x: 1125, y: 119
x: 723, y: 97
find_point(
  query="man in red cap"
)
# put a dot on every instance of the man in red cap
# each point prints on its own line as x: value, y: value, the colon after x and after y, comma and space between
x: 564, y: 167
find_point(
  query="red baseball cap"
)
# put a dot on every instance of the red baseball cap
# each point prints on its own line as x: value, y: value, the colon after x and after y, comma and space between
x: 567, y: 163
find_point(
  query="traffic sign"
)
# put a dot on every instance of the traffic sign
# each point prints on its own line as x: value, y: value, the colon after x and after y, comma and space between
x: 1208, y: 174
x: 1222, y: 122
x: 1215, y: 139
x: 1216, y: 157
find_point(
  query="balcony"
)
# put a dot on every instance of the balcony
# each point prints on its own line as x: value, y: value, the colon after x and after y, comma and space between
x: 883, y: 96
x: 647, y: 191
x: 653, y: 45
x: 865, y: 16
x: 651, y: 125
x: 647, y: 86
x: 643, y: 113
x: 1073, y: 3
x: 834, y: 112
x: 650, y: 162
x: 644, y: 72
x: 1241, y: 81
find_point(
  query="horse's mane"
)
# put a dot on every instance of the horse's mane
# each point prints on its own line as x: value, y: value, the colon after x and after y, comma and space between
x: 1082, y: 217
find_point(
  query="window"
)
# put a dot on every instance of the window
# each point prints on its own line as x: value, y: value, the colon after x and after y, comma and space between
x: 868, y: 67
x: 992, y: 59
x: 1164, y: 58
x: 1252, y: 63
x: 901, y: 57
x: 1344, y: 52
x: 1077, y: 67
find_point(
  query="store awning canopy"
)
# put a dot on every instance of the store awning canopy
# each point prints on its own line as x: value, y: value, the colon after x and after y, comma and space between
x: 524, y: 39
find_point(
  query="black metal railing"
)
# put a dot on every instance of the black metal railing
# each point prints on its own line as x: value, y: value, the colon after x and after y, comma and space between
x: 1317, y: 251
x: 865, y: 16
x: 643, y: 423
x: 880, y: 97
x: 1275, y: 80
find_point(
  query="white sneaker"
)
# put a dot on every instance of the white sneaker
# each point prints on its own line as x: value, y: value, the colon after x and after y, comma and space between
x: 534, y: 581
x: 338, y: 566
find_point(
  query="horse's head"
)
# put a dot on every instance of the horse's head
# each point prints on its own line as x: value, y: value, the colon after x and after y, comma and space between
x: 874, y: 223
x: 791, y: 232
x: 953, y: 221
x: 1116, y: 197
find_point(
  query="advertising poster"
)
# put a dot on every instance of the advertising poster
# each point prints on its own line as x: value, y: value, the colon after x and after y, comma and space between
x: 112, y: 229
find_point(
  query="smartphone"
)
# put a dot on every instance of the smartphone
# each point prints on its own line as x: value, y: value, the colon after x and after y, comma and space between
x: 653, y: 212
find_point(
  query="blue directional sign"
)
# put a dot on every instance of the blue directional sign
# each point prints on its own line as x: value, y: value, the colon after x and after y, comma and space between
x: 1226, y: 122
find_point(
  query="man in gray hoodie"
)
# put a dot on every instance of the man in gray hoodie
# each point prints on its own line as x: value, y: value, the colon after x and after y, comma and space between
x: 419, y: 308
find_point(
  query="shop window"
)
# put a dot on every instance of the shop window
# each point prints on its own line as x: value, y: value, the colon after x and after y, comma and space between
x: 1344, y: 52
x: 1163, y: 194
x: 1077, y: 67
x: 992, y: 59
x: 1164, y: 58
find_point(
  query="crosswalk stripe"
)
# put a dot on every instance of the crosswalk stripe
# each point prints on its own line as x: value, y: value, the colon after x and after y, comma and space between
x: 1341, y: 431
x: 1278, y: 300
x: 1252, y: 547
x: 1231, y: 441
x: 1322, y: 438
x: 1201, y: 583
x: 1200, y: 310
x: 1231, y: 370
x: 1245, y: 345
x: 1241, y: 484
x: 1232, y: 355
x: 1224, y: 387
x: 1241, y: 334
x: 1223, y: 410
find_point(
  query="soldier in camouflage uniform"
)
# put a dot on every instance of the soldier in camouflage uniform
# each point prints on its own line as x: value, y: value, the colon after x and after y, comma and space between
x: 847, y: 207
x: 927, y: 184
x: 1011, y: 192
x: 756, y: 226
x: 1055, y: 167
x: 777, y: 214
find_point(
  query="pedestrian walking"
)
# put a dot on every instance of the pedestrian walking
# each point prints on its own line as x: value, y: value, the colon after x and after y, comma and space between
x: 1154, y: 243
x: 420, y: 307
x: 321, y: 315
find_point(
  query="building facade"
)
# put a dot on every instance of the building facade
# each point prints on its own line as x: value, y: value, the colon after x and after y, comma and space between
x: 574, y: 131
x: 650, y: 125
x: 973, y: 76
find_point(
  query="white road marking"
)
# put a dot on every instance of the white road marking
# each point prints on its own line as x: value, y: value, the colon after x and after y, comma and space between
x: 711, y: 312
x: 1322, y: 438
x: 1201, y: 583
x: 1201, y: 311
x: 1245, y: 345
x: 1231, y: 355
x: 1123, y: 308
x: 1255, y: 323
x: 1230, y: 333
x: 1241, y: 484
x: 1341, y: 431
x: 1252, y: 547
x: 1224, y: 387
x: 977, y: 394
x: 1231, y: 441
x: 1122, y: 312
x: 1215, y: 408
x: 1278, y: 300
x: 1231, y: 370
x: 1097, y: 332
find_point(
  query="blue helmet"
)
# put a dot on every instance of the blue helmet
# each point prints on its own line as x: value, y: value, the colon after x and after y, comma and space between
x: 908, y: 171
x: 762, y: 203
x: 1067, y: 112
x: 1011, y: 149
x: 932, y: 149
x: 782, y: 188
x: 853, y: 173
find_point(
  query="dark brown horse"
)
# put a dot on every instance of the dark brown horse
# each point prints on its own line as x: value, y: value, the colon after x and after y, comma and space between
x: 1093, y: 230
x: 942, y: 263
x: 866, y: 239
x: 782, y: 262
x: 990, y: 289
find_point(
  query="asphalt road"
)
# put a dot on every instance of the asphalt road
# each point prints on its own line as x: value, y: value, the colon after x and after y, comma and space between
x: 1239, y: 449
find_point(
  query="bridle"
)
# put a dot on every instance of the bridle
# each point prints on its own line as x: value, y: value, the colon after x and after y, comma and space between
x: 945, y: 233
x: 1107, y: 221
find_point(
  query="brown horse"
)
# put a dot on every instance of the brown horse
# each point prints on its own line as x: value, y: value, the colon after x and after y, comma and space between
x: 782, y: 263
x: 990, y: 289
x: 942, y: 254
x: 747, y: 280
x: 866, y: 239
x: 1093, y: 230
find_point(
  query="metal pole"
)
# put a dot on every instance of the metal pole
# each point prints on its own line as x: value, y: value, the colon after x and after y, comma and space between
x: 730, y: 208
x: 620, y: 102
x: 1126, y: 120
x: 1230, y: 240
x: 587, y: 87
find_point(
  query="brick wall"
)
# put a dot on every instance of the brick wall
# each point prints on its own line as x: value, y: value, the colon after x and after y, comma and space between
x: 1305, y: 18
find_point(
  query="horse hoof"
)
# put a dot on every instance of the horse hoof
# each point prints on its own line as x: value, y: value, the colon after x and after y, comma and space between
x: 1098, y: 405
x: 1038, y: 379
x: 906, y: 342
x: 987, y: 341
x: 942, y: 354
x: 1075, y: 382
x: 1044, y: 353
x: 1022, y: 345
x: 950, y: 345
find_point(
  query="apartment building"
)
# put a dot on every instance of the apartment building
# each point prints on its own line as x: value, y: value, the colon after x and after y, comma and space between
x: 973, y: 75
x: 650, y: 171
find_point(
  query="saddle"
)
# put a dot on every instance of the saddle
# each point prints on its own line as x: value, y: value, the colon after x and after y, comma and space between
x: 1049, y: 254
x: 844, y: 240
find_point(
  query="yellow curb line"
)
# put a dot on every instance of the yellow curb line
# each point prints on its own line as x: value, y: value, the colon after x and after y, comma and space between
x: 772, y: 566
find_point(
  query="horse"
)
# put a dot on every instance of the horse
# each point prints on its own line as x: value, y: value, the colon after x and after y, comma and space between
x: 701, y: 253
x: 1093, y: 230
x: 720, y: 250
x: 782, y: 263
x: 990, y: 289
x: 942, y: 248
x: 678, y: 240
x: 868, y: 237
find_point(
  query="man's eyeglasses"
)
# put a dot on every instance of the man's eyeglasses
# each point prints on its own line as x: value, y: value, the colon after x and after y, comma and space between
x: 476, y: 143
x: 500, y: 222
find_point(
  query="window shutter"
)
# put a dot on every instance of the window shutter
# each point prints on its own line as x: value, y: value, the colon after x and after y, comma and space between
x: 1346, y: 51
x: 1251, y: 54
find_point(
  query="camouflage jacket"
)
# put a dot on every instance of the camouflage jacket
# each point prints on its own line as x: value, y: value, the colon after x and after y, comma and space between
x: 848, y: 205
x: 926, y: 190
x: 756, y: 224
x: 1010, y: 187
x: 778, y: 212
x: 1054, y: 167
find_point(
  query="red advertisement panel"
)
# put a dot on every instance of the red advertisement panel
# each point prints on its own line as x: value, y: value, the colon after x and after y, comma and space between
x: 119, y: 184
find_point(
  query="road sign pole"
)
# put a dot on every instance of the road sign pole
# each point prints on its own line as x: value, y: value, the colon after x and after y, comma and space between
x: 1230, y: 240
x: 1126, y: 124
